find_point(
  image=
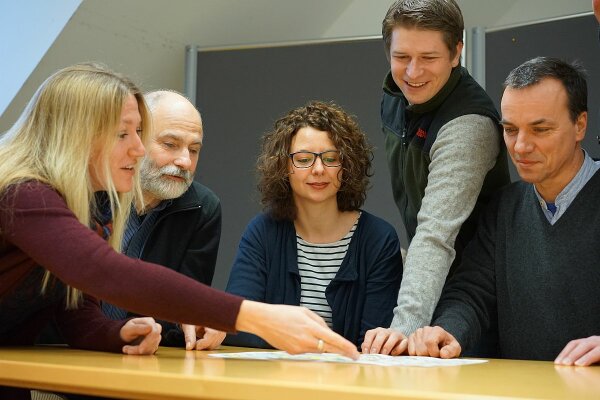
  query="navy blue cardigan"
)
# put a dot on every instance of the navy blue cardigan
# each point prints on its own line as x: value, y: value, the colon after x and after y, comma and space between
x: 362, y: 295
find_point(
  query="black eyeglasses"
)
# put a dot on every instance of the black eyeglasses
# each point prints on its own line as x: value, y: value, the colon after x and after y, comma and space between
x: 306, y: 159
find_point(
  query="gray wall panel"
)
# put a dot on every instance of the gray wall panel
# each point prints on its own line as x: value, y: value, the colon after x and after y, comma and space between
x: 240, y: 93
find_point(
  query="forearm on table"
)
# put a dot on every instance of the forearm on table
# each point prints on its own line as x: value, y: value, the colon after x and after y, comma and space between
x: 468, y: 304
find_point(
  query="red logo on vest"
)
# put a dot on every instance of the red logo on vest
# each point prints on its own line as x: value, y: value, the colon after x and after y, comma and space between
x: 421, y: 133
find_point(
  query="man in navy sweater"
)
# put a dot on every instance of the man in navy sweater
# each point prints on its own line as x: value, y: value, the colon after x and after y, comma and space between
x: 534, y: 264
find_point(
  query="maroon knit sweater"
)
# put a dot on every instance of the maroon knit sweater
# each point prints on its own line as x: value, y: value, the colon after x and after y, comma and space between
x: 37, y: 228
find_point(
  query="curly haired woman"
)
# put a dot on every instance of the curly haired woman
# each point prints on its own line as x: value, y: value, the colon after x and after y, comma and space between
x: 313, y: 246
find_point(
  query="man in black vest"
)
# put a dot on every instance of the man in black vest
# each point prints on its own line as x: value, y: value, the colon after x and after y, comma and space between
x: 444, y: 151
x: 533, y: 265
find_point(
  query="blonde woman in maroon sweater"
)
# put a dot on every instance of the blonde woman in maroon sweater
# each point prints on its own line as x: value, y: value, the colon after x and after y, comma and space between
x: 70, y: 163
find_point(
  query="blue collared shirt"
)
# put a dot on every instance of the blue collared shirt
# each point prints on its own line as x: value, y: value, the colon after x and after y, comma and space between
x: 568, y: 194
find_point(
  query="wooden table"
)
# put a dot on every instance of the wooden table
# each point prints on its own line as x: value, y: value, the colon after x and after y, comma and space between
x: 177, y: 374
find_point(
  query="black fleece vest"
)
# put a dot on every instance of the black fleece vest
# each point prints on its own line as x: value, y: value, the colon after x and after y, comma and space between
x: 410, y: 132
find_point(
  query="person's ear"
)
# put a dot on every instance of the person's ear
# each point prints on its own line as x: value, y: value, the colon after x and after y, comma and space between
x: 581, y: 126
x: 458, y: 49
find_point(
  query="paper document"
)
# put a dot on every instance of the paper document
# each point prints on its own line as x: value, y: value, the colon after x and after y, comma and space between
x: 372, y: 359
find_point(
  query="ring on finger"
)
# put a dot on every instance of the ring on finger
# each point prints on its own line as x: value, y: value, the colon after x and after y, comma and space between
x: 320, y: 345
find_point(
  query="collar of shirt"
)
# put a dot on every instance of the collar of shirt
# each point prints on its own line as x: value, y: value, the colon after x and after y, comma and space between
x: 161, y: 206
x: 136, y: 221
x: 568, y: 194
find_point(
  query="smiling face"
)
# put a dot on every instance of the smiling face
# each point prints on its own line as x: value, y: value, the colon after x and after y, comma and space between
x: 173, y: 151
x: 421, y: 62
x: 124, y: 155
x: 317, y: 184
x: 542, y: 139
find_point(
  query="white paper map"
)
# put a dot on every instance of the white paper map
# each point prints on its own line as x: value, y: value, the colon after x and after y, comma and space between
x: 372, y: 359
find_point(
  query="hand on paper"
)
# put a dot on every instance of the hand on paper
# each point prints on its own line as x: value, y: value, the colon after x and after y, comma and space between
x: 293, y: 329
x: 384, y: 341
x: 433, y: 341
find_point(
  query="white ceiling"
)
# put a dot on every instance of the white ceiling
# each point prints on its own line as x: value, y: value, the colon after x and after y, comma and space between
x: 146, y: 39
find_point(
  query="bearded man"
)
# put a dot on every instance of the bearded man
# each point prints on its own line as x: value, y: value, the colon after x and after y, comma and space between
x: 179, y: 223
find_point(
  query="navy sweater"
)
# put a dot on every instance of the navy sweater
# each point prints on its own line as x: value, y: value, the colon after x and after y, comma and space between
x: 362, y: 295
x: 539, y: 280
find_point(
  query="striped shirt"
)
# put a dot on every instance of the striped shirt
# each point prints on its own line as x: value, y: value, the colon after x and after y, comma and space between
x: 318, y: 263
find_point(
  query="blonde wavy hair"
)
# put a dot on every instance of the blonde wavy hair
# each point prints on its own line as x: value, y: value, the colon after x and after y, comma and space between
x: 75, y: 109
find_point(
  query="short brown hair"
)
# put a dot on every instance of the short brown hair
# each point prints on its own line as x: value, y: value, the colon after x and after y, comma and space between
x: 436, y: 15
x: 344, y: 132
